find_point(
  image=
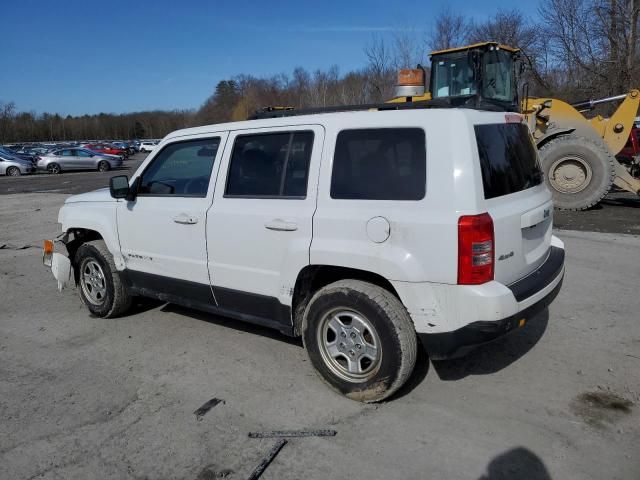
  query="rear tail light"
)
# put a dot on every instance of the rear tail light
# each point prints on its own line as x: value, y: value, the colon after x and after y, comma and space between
x: 475, y: 249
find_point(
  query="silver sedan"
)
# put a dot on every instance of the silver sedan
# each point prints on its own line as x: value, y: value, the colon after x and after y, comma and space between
x: 64, y: 159
x: 14, y: 166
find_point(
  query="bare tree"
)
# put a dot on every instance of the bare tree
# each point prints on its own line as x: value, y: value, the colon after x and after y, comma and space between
x: 381, y: 70
x: 595, y: 42
x: 449, y: 30
x: 7, y: 112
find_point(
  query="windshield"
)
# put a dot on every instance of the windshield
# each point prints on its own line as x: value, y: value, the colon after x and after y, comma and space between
x: 453, y: 77
x: 497, y: 75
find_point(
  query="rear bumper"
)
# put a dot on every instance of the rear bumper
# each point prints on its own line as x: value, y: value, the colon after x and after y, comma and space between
x: 533, y: 294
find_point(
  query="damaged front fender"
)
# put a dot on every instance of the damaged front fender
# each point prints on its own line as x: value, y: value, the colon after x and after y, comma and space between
x: 61, y: 269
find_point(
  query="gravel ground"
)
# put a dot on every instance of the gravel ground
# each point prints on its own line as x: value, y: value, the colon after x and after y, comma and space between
x: 83, y: 397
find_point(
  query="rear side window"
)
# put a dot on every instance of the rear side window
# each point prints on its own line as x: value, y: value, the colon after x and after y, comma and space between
x: 508, y: 159
x: 270, y: 165
x: 380, y: 164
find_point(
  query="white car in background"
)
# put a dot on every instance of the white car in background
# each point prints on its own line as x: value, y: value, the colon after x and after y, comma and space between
x: 147, y: 146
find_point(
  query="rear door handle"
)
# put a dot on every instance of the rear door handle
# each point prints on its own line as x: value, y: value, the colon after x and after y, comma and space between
x: 281, y: 225
x: 185, y: 219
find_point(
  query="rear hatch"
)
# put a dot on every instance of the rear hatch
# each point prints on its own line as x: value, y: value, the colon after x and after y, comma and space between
x: 516, y: 198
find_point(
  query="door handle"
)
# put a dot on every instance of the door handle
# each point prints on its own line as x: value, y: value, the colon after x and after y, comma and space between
x: 185, y: 219
x: 281, y: 225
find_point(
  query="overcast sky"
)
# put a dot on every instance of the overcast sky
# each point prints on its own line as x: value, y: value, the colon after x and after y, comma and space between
x: 81, y: 56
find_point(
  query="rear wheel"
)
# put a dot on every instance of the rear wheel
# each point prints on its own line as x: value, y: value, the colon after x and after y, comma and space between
x: 579, y: 171
x: 360, y: 339
x: 104, y: 166
x: 101, y: 288
x: 13, y: 172
x: 53, y: 168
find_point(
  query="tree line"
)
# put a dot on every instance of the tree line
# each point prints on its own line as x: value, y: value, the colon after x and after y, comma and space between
x: 574, y: 50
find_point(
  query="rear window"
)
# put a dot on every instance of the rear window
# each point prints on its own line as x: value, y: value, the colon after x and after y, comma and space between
x: 508, y: 159
x: 379, y: 164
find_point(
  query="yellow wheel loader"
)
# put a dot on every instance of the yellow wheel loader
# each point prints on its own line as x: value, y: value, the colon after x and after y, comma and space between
x: 577, y: 154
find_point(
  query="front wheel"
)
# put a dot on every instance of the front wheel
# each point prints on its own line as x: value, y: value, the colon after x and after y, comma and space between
x: 13, y: 172
x: 101, y: 288
x: 360, y: 339
x: 104, y: 166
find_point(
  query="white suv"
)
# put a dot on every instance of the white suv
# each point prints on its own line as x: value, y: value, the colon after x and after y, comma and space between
x: 363, y: 232
x: 147, y: 146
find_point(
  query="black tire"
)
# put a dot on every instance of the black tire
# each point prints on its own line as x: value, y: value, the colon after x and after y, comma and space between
x: 104, y: 166
x: 54, y: 168
x: 588, y: 155
x: 393, y: 327
x: 116, y: 299
x: 13, y: 172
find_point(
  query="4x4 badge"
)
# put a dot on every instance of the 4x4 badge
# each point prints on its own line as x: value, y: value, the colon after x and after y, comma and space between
x: 506, y: 255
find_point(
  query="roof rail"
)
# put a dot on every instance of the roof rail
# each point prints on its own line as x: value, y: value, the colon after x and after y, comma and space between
x: 275, y: 112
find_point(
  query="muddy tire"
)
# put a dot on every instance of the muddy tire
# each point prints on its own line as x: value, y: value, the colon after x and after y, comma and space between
x: 360, y: 339
x: 579, y: 171
x: 100, y: 284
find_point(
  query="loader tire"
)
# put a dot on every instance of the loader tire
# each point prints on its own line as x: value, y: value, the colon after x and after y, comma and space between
x: 578, y: 170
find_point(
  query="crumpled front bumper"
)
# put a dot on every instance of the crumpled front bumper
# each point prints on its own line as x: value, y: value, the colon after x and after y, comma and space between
x: 58, y: 262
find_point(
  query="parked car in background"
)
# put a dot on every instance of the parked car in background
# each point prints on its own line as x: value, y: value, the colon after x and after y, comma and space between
x: 125, y: 146
x: 13, y: 166
x: 108, y: 149
x: 629, y: 156
x: 31, y: 150
x: 147, y: 146
x: 64, y: 159
x: 23, y: 156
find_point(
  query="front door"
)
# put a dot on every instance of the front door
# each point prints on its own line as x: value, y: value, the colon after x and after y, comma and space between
x: 259, y: 227
x: 84, y: 159
x: 162, y: 233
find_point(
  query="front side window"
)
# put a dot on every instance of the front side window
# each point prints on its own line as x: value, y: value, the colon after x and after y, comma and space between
x: 497, y: 81
x: 453, y: 77
x: 380, y: 164
x: 181, y: 169
x: 83, y: 153
x: 270, y: 165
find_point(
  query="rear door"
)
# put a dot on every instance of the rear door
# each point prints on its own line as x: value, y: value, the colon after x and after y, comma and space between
x: 259, y: 225
x: 516, y: 198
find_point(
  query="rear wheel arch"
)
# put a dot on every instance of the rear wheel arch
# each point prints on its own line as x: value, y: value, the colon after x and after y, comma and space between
x: 314, y: 277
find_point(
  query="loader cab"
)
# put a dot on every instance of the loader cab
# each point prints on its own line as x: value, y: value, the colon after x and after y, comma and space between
x: 482, y: 76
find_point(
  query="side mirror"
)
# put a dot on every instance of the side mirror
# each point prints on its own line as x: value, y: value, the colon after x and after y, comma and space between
x: 133, y: 191
x: 119, y: 186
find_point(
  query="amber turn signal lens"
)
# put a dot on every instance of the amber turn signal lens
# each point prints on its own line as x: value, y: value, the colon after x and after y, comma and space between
x: 521, y: 322
x: 48, y: 247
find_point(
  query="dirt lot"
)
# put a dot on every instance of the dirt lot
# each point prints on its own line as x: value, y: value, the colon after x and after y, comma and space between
x: 84, y: 398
